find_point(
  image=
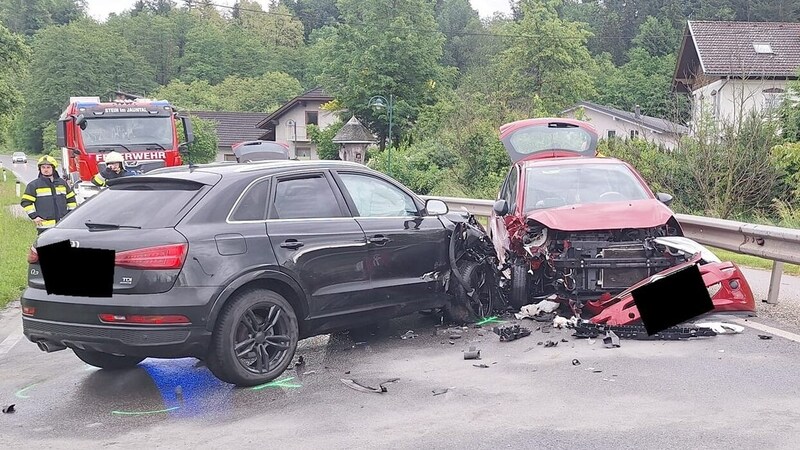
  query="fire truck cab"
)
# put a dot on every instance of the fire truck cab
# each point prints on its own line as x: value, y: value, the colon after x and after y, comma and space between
x: 144, y: 131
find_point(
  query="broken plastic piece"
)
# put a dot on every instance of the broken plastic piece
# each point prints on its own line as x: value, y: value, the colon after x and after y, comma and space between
x: 440, y: 391
x: 550, y: 343
x: 575, y: 362
x: 482, y: 366
x: 9, y: 409
x: 611, y: 340
x: 721, y: 327
x: 511, y: 332
x: 409, y: 335
x: 473, y: 353
x: 764, y: 336
x: 531, y: 311
x: 352, y: 384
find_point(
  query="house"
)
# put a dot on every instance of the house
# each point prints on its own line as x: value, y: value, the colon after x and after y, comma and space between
x: 732, y: 68
x: 612, y: 122
x: 232, y: 127
x: 290, y: 122
x: 353, y: 139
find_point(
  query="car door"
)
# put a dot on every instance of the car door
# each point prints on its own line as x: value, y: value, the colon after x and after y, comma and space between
x: 407, y: 248
x: 498, y: 225
x: 318, y: 242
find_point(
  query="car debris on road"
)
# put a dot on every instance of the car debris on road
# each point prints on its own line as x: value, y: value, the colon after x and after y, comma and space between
x: 511, y: 332
x: 472, y: 353
x: 352, y: 384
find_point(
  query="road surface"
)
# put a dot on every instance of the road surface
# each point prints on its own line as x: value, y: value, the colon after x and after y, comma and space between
x: 26, y: 171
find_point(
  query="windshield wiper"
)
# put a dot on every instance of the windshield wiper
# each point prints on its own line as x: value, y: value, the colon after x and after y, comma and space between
x: 108, y: 226
x: 148, y: 144
x: 108, y: 145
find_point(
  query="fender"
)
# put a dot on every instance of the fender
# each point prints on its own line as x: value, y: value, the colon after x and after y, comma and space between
x: 257, y: 274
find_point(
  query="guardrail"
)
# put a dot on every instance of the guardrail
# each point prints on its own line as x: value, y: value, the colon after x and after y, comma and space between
x: 781, y: 245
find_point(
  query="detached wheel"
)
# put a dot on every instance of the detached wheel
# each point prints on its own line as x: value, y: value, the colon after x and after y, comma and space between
x: 463, y: 308
x: 519, y: 285
x: 106, y: 360
x: 254, y: 339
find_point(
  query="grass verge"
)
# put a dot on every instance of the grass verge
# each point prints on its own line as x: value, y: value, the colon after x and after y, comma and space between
x: 753, y: 261
x: 16, y: 236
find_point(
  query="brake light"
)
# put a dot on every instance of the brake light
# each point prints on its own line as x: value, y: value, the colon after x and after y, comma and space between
x: 144, y: 320
x: 28, y: 310
x: 153, y: 258
x: 33, y: 256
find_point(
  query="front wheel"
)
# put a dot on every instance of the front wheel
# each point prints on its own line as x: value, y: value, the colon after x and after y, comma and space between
x: 519, y: 285
x: 107, y: 360
x: 254, y: 339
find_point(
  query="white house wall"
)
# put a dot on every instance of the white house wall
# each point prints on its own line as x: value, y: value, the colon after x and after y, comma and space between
x: 622, y: 129
x: 284, y: 133
x: 730, y: 100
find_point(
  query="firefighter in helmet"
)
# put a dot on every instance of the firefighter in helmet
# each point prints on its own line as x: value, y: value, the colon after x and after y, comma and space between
x: 114, y: 169
x: 48, y: 198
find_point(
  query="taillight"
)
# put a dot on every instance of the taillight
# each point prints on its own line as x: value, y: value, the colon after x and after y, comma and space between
x: 33, y: 256
x: 144, y: 320
x: 28, y: 311
x: 153, y: 258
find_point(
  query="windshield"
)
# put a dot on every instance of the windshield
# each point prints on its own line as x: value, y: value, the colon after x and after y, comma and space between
x: 128, y: 131
x: 565, y: 184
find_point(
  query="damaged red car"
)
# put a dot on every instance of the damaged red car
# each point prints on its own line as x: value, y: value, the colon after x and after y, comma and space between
x: 572, y: 226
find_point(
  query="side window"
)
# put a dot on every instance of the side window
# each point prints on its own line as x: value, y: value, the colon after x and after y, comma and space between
x: 374, y: 197
x: 253, y: 205
x: 504, y: 188
x: 305, y: 198
x: 513, y: 179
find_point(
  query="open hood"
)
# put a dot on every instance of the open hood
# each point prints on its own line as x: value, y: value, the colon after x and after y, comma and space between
x: 548, y: 138
x: 604, y: 216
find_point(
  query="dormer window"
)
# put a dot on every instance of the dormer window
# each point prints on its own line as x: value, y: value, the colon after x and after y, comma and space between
x: 762, y: 48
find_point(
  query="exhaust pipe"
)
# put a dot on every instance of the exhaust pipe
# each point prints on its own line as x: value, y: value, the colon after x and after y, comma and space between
x: 49, y: 347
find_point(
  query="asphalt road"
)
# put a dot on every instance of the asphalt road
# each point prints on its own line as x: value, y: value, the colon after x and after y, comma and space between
x: 26, y: 171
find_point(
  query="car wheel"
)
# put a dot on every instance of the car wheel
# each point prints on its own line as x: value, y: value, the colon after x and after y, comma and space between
x: 254, y: 339
x: 519, y: 285
x: 462, y: 308
x: 107, y: 360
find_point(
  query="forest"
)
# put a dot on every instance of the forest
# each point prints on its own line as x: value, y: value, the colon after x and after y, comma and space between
x: 456, y: 78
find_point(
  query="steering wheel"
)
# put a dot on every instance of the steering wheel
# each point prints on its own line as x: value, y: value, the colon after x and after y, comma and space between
x: 612, y: 196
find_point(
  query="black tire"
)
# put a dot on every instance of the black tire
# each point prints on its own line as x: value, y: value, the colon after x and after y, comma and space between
x: 106, y: 360
x: 519, y: 285
x: 461, y: 308
x: 249, y: 321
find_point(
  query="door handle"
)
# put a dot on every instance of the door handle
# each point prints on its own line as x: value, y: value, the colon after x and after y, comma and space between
x: 292, y: 244
x: 378, y: 239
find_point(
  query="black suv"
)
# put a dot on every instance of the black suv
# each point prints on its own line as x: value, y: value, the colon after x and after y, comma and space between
x: 233, y: 263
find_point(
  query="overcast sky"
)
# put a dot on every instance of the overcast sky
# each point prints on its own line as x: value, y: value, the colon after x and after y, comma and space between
x: 99, y: 9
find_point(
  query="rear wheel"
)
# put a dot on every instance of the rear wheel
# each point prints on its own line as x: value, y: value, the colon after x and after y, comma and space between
x: 107, y: 360
x: 463, y: 308
x: 519, y: 285
x: 254, y: 339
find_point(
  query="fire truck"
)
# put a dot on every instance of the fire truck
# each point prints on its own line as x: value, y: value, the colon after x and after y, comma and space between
x: 144, y: 131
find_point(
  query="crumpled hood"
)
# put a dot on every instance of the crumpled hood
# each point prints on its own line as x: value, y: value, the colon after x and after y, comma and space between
x: 604, y: 216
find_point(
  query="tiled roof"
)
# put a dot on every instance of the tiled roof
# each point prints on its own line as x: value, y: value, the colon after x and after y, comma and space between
x: 316, y: 94
x: 662, y: 125
x: 353, y: 132
x: 233, y: 127
x: 726, y: 48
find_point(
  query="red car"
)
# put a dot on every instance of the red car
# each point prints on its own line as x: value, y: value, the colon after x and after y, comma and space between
x: 584, y: 229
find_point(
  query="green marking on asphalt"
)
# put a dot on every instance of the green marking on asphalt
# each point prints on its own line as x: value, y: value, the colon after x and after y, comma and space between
x: 278, y: 383
x: 141, y: 413
x: 487, y: 320
x: 20, y: 393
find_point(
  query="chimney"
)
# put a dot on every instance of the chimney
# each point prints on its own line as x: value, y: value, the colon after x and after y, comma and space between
x: 638, y: 111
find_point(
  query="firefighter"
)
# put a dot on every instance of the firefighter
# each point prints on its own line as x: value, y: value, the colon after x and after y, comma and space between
x: 48, y: 198
x: 114, y: 169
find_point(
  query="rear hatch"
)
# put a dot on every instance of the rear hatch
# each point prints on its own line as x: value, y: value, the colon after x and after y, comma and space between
x: 135, y: 217
x: 548, y: 138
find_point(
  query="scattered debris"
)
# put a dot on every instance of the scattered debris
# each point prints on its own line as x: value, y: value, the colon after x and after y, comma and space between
x: 352, y: 384
x: 764, y: 336
x: 473, y: 353
x: 564, y: 340
x: 722, y: 351
x: 550, y: 343
x: 539, y: 343
x: 531, y: 311
x: 9, y: 409
x: 455, y: 336
x: 596, y: 371
x: 482, y: 366
x: 609, y: 379
x: 591, y: 341
x: 347, y: 373
x: 611, y: 340
x: 440, y: 391
x: 300, y: 361
x: 310, y: 372
x: 452, y: 343
x: 721, y: 327
x: 511, y: 332
x: 575, y: 362
x: 563, y: 322
x: 409, y: 335
x: 586, y: 329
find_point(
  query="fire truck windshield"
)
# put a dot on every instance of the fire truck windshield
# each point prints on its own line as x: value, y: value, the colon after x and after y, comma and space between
x: 127, y: 131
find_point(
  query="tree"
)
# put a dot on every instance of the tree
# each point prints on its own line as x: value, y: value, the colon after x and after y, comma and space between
x: 89, y: 60
x: 262, y: 94
x: 314, y: 14
x: 13, y: 55
x: 461, y: 25
x: 204, y: 55
x: 326, y: 148
x: 153, y: 36
x: 658, y: 37
x: 28, y: 16
x: 372, y: 53
x: 196, y: 95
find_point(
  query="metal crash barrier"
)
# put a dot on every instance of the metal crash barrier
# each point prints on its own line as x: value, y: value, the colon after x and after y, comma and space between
x: 781, y: 245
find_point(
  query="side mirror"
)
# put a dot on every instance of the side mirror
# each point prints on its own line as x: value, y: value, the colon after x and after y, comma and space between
x: 664, y: 198
x: 436, y: 207
x: 501, y: 207
x: 61, y: 133
x: 188, y: 131
x: 81, y: 121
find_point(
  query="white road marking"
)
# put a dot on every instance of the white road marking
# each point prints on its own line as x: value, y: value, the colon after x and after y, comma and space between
x: 11, y: 340
x: 768, y: 329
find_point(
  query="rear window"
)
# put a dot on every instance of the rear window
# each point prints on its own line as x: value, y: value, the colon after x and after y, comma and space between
x: 151, y: 205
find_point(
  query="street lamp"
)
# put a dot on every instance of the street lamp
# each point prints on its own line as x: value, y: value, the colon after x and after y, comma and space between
x: 379, y: 101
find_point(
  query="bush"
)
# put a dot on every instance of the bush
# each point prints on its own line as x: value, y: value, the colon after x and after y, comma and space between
x: 410, y: 166
x: 204, y: 148
x: 326, y: 148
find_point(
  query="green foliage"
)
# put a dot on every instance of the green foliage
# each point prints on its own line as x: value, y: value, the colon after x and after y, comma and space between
x: 411, y: 166
x: 326, y: 148
x: 204, y: 148
x: 460, y: 25
x: 49, y: 146
x: 658, y: 37
x: 13, y: 55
